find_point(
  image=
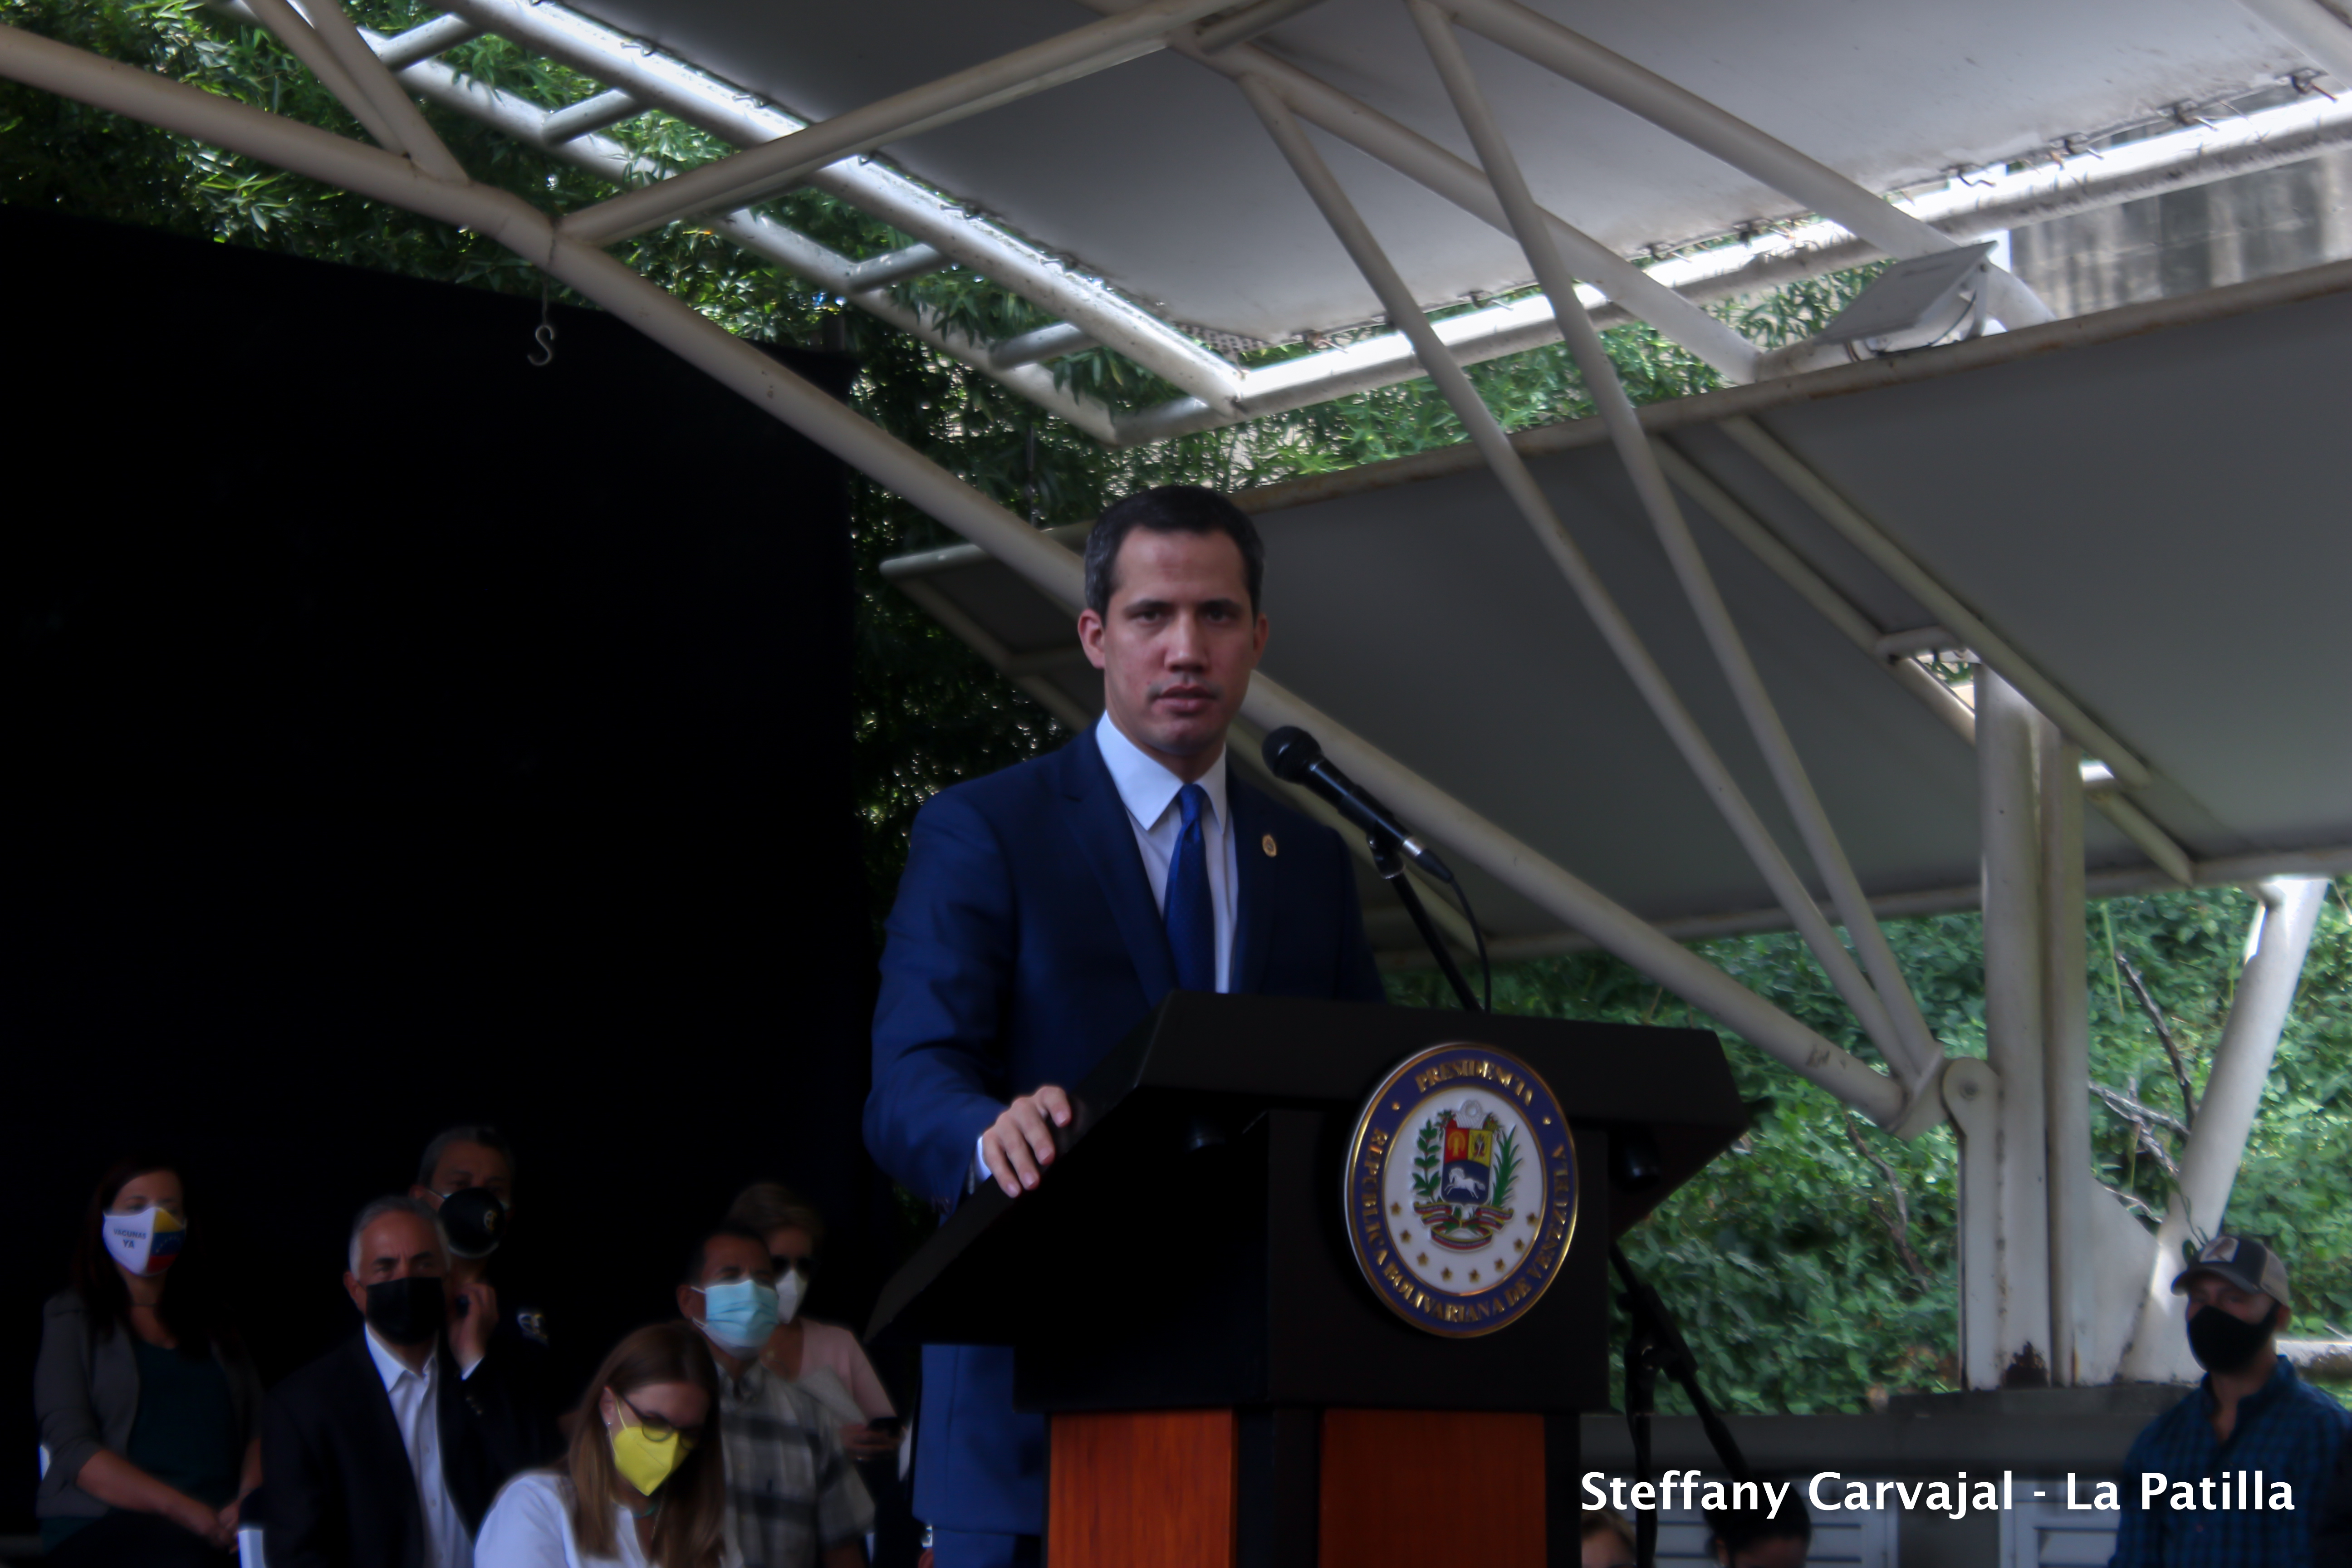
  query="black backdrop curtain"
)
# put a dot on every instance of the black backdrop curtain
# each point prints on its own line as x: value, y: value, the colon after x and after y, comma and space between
x: 398, y: 735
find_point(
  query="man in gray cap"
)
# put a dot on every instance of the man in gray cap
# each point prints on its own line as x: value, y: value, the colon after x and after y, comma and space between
x: 2233, y: 1473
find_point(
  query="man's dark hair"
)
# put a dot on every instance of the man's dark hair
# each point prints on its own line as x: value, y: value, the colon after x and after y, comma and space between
x: 473, y: 1133
x: 1169, y: 509
x: 1735, y: 1530
x: 699, y: 1259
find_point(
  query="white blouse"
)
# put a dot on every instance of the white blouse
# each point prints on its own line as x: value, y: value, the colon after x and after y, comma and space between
x: 529, y: 1526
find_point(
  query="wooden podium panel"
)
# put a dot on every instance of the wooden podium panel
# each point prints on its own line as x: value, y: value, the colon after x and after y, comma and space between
x: 1430, y: 1486
x: 1150, y: 1488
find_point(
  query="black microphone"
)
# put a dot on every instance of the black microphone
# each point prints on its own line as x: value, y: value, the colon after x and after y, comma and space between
x: 1292, y: 756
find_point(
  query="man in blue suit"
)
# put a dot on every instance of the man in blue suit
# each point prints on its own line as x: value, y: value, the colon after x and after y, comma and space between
x: 1046, y: 910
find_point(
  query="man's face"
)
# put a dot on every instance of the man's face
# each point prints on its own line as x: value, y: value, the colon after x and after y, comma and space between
x: 2210, y: 1291
x: 464, y: 1166
x: 396, y: 1246
x: 724, y: 1259
x: 1177, y: 644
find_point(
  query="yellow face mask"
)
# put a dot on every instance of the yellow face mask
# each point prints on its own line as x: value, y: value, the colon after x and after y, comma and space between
x: 646, y: 1453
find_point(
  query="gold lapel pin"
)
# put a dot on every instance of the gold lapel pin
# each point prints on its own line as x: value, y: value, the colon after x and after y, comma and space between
x: 1268, y: 842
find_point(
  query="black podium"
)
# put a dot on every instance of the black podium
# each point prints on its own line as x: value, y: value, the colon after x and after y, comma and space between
x: 1225, y: 1385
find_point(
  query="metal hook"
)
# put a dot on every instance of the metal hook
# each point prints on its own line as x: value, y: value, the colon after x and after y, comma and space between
x: 545, y: 333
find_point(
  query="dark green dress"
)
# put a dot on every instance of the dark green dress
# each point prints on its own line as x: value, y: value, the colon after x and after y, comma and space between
x: 185, y: 1434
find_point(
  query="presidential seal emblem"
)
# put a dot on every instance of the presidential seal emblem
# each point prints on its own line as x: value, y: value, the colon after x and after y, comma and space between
x: 1461, y: 1189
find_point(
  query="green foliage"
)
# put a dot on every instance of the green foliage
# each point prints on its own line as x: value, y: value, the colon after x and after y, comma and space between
x: 1426, y: 1161
x: 1506, y: 1169
x: 1781, y: 1257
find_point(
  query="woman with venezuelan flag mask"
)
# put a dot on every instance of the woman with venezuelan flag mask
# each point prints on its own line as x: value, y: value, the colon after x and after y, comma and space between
x: 150, y: 1409
x: 644, y: 1485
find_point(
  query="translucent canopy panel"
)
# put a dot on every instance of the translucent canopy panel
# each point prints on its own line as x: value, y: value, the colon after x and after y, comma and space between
x: 2155, y: 522
x: 1155, y: 175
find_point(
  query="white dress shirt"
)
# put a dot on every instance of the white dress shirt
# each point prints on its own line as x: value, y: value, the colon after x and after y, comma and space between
x: 1150, y: 793
x: 416, y: 1407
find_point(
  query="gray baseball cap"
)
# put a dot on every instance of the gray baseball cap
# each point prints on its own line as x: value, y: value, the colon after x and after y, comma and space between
x: 2243, y: 1262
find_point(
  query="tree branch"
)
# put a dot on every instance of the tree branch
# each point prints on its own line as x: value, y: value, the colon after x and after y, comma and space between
x: 2137, y: 1115
x: 2131, y: 1201
x: 2135, y: 1112
x: 1898, y: 1224
x: 2163, y: 1033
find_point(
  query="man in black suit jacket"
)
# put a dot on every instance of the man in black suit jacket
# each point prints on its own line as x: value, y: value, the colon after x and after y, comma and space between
x: 386, y: 1451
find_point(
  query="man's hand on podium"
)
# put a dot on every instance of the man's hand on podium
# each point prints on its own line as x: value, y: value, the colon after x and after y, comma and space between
x: 1019, y: 1145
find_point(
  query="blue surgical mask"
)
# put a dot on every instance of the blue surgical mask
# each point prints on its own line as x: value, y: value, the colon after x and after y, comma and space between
x: 740, y: 1314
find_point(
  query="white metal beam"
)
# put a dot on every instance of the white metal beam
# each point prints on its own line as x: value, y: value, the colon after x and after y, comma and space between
x: 366, y: 73
x: 1887, y: 650
x: 2066, y: 1059
x: 1907, y: 1042
x: 425, y: 40
x: 742, y: 119
x: 1528, y: 498
x: 863, y: 283
x: 608, y: 108
x: 2281, y: 938
x: 1425, y: 163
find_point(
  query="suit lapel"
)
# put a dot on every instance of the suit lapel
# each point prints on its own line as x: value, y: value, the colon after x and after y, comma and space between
x: 1254, y: 872
x: 391, y: 1454
x: 1106, y: 840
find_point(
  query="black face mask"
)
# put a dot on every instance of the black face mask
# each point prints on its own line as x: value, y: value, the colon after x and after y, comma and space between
x: 407, y: 1311
x: 476, y: 1220
x: 2224, y: 1341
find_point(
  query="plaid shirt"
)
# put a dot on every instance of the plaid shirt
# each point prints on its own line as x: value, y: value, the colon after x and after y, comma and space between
x: 792, y: 1491
x: 2289, y: 1431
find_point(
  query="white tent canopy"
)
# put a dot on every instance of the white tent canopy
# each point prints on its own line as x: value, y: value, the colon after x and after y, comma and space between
x: 1155, y: 177
x: 2164, y: 551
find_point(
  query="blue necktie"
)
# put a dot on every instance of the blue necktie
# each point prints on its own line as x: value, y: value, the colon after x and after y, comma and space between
x: 1192, y: 921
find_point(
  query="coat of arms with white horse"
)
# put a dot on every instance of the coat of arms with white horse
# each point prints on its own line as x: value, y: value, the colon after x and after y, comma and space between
x: 1466, y: 1167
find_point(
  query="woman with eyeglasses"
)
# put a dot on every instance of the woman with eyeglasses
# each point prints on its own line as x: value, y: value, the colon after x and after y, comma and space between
x: 149, y: 1408
x: 644, y: 1486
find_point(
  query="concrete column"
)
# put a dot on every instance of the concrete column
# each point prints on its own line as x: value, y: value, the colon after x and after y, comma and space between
x: 2014, y: 1283
x: 2066, y: 1057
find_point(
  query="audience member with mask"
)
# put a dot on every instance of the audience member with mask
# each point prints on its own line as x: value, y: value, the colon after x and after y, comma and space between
x: 794, y: 1499
x: 645, y: 1484
x: 824, y: 1359
x: 387, y: 1452
x: 467, y: 1176
x: 2251, y: 1414
x: 148, y: 1408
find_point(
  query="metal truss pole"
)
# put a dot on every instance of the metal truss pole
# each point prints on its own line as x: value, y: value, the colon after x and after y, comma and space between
x: 2009, y: 810
x: 1615, y: 629
x: 1426, y: 163
x: 1915, y: 1051
x: 2284, y: 917
x: 383, y: 176
x: 738, y: 117
x: 2065, y: 1055
x: 1840, y: 612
